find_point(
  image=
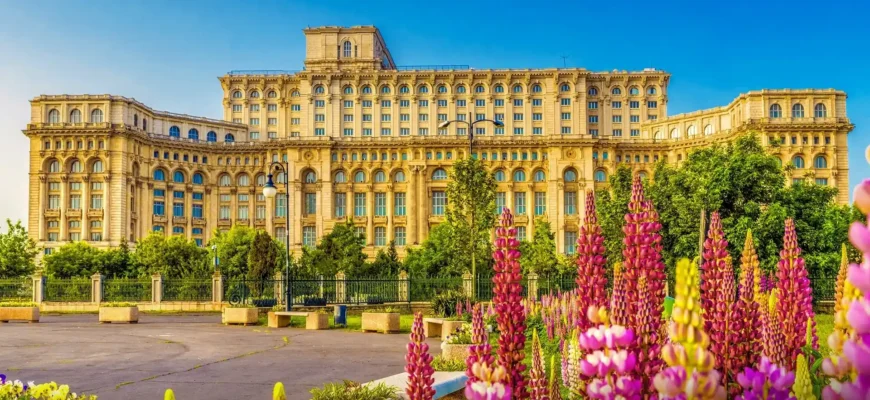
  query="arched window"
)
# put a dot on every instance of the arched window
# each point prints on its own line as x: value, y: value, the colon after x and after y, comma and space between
x: 798, y: 162
x: 385, y: 89
x: 634, y: 91
x: 255, y: 94
x: 174, y: 131
x: 193, y: 134
x: 54, y: 117
x: 75, y: 116
x: 339, y: 177
x: 691, y: 131
x: 499, y: 88
x: 319, y: 89
x: 642, y: 175
x: 144, y: 124
x: 225, y: 180
x: 499, y: 176
x: 399, y: 177
x: 310, y: 177
x: 565, y: 87
x: 347, y: 47
x: 821, y: 162
x: 820, y: 111
x: 367, y: 89
x: 197, y: 179
x: 211, y: 136
x: 348, y: 90
x: 159, y: 175
x: 651, y: 90
x: 536, y: 88
x: 423, y: 89
x: 775, y: 111
x: 442, y: 89
x: 404, y: 89
x: 616, y: 91
x: 261, y: 179
x: 519, y: 176
x: 97, y: 167
x: 54, y: 166
x: 244, y: 180
x: 439, y: 175
x: 272, y: 94
x: 479, y: 89
x: 675, y: 133
x: 797, y: 111
x: 517, y: 89
x: 76, y: 166
x: 708, y: 129
x: 570, y: 176
x: 600, y: 175
x: 229, y: 138
x: 294, y: 93
x: 540, y: 176
x: 281, y: 178
x: 178, y: 177
x: 359, y: 177
x: 460, y: 89
x: 237, y: 94
x: 380, y: 177
x: 97, y: 116
x: 593, y: 91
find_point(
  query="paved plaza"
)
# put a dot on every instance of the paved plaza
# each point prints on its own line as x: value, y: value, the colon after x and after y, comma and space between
x: 192, y: 354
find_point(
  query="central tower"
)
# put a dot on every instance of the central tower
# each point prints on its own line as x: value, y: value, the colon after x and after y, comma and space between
x: 355, y: 48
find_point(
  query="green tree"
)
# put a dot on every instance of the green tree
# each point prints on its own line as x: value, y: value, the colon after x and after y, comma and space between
x: 386, y: 262
x: 73, y: 260
x: 172, y: 257
x: 611, y: 206
x: 340, y: 250
x: 118, y: 262
x: 263, y: 257
x: 471, y: 211
x: 436, y: 256
x: 17, y: 251
x: 232, y: 250
x: 540, y: 254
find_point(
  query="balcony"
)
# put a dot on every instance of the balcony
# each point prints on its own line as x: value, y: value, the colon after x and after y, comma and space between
x: 95, y: 213
x: 243, y: 222
x: 199, y: 222
x: 133, y: 215
x: 259, y: 222
x: 179, y: 221
x: 52, y: 213
x: 280, y: 220
x: 225, y: 222
x: 74, y: 212
x: 158, y: 218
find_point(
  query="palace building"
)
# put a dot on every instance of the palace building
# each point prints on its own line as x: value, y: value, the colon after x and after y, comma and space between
x: 362, y: 140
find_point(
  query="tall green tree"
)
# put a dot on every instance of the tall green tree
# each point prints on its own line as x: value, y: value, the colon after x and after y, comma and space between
x: 539, y: 255
x: 73, y: 260
x: 386, y: 263
x: 340, y: 250
x: 172, y: 257
x: 612, y: 205
x: 233, y: 247
x: 118, y: 262
x: 263, y: 257
x: 437, y: 255
x: 471, y: 210
x: 17, y: 251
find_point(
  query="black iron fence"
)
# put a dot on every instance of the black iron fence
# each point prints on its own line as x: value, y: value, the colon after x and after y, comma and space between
x: 68, y: 290
x: 17, y: 290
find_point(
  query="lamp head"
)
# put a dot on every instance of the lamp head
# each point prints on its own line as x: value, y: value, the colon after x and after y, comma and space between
x: 498, y: 123
x: 269, y: 190
x: 443, y: 124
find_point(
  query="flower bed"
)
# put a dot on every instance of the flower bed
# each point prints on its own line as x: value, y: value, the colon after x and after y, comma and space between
x: 19, y: 311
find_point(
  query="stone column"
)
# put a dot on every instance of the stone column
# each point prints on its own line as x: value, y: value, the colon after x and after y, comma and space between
x: 411, y: 208
x: 404, y: 287
x: 43, y: 205
x: 278, y: 287
x: 64, y: 192
x: 38, y: 288
x: 390, y: 202
x: 340, y: 288
x: 156, y: 288
x: 533, y: 286
x: 96, y: 288
x: 86, y: 205
x: 297, y: 214
x: 217, y: 288
x: 370, y: 216
x: 106, y: 202
x: 468, y: 284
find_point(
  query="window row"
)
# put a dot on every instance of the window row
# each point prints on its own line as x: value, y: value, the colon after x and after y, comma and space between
x: 75, y: 166
x: 193, y: 134
x: 797, y: 111
x: 309, y: 236
x: 79, y: 145
x: 461, y: 88
x: 75, y: 116
x: 819, y: 162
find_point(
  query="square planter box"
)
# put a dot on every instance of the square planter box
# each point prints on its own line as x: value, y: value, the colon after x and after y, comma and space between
x: 439, y: 327
x: 119, y: 314
x: 29, y: 314
x: 244, y: 316
x: 317, y: 321
x: 452, y: 352
x: 380, y: 322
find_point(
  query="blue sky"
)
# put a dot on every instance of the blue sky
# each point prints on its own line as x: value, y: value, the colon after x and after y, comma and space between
x: 168, y: 54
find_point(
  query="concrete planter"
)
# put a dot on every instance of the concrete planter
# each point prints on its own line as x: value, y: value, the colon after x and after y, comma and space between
x: 29, y: 314
x: 450, y: 352
x: 439, y: 327
x: 244, y: 316
x: 449, y: 327
x: 119, y: 314
x: 317, y: 321
x: 380, y: 322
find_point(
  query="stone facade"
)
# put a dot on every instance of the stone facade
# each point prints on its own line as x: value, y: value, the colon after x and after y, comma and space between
x: 362, y: 139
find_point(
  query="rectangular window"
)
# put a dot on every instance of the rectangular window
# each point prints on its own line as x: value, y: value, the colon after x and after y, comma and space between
x: 616, y: 104
x: 536, y: 102
x: 423, y: 131
x: 255, y: 107
x: 243, y: 212
x: 518, y: 116
x: 460, y: 103
x: 634, y: 105
x: 499, y: 102
x: 593, y: 105
x: 405, y: 103
x: 822, y: 181
x: 442, y: 117
x: 197, y: 211
x: 367, y: 104
x: 159, y: 208
x: 319, y: 103
x: 617, y: 119
x: 537, y: 117
x: 565, y: 102
x: 386, y: 132
x: 96, y: 224
x: 380, y: 236
x: 347, y: 117
x: 319, y: 117
x: 348, y: 132
x: 255, y: 121
x: 96, y: 186
x: 499, y: 130
x: 635, y: 132
x: 540, y: 203
x: 237, y: 108
x: 537, y: 130
x: 75, y: 202
x: 518, y: 131
x: 224, y: 212
x: 424, y: 103
x: 399, y: 204
x: 399, y: 236
x: 617, y: 132
x: 461, y: 131
x: 570, y: 243
x: 439, y: 202
x: 272, y: 107
x: 442, y: 103
x: 479, y: 116
x: 367, y: 117
x: 386, y: 117
x: 235, y: 121
x: 499, y: 201
x: 480, y: 103
x: 272, y: 121
x: 518, y: 102
x: 520, y: 203
x: 634, y: 118
x: 178, y: 230
x: 423, y: 117
x: 404, y: 131
x: 177, y: 209
x: 348, y: 104
x: 521, y: 233
x: 75, y: 224
x: 570, y: 203
x: 319, y: 131
x: 593, y: 119
x: 96, y: 236
x: 296, y: 107
x: 404, y: 117
x: 566, y: 116
x: 566, y: 130
x: 310, y: 204
x: 652, y: 117
x: 96, y: 202
x: 380, y: 204
x: 359, y: 204
x: 280, y: 207
x: 52, y: 236
x: 75, y: 236
x: 53, y: 224
x: 652, y: 104
x: 295, y: 121
x: 309, y: 236
x: 386, y: 103
x: 197, y: 231
x: 593, y: 132
x: 340, y: 205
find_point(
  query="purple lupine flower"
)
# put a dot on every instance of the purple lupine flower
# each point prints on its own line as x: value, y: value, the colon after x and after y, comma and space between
x: 794, y: 296
x: 507, y: 298
x: 769, y: 381
x: 591, y: 279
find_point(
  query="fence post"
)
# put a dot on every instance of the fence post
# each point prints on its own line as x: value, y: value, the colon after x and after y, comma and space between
x: 404, y: 292
x: 340, y: 288
x: 468, y: 284
x: 217, y: 288
x: 96, y: 288
x: 156, y: 288
x: 38, y: 291
x: 279, y: 287
x: 533, y: 286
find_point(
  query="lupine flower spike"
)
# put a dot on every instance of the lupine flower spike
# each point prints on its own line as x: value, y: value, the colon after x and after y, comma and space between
x: 419, y: 364
x: 794, y: 296
x: 717, y: 292
x: 538, y: 388
x: 507, y: 298
x: 608, y: 362
x: 591, y: 280
x: 803, y: 385
x: 744, y: 325
x: 768, y: 382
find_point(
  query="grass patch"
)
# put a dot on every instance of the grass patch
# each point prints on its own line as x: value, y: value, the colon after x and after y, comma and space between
x: 824, y: 327
x: 354, y: 323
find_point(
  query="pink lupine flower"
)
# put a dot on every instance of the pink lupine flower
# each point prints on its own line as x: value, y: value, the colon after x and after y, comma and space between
x: 419, y: 364
x: 591, y: 279
x: 794, y: 296
x: 538, y: 387
x: 490, y: 383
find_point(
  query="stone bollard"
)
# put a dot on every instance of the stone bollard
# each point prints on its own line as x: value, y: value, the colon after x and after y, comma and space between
x: 38, y: 290
x: 404, y: 287
x: 156, y: 288
x: 96, y: 288
x: 217, y: 288
x: 340, y: 288
x: 468, y: 285
x: 279, y: 287
x: 533, y: 286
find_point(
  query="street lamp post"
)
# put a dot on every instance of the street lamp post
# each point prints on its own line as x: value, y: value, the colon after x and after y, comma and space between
x: 270, y: 191
x: 471, y: 123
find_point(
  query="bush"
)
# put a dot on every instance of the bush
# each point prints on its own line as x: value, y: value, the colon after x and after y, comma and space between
x: 440, y: 364
x: 17, y: 304
x: 117, y: 304
x: 43, y: 391
x: 444, y: 304
x: 349, y: 390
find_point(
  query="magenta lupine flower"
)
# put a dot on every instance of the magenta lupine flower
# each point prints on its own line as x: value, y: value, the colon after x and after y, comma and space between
x: 743, y: 322
x: 419, y: 364
x: 459, y: 309
x: 538, y: 387
x: 717, y: 296
x: 647, y: 341
x: 490, y: 383
x: 768, y: 382
x: 618, y: 299
x: 794, y: 296
x: 507, y: 298
x: 591, y: 279
x: 478, y: 331
x: 608, y: 362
